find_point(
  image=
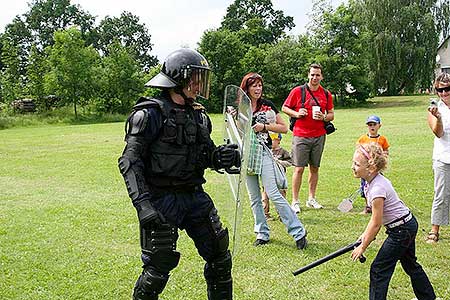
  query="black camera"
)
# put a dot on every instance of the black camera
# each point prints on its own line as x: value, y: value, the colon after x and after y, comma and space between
x: 329, y: 127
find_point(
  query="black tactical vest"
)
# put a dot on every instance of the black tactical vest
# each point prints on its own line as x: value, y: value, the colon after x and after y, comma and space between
x: 182, y: 151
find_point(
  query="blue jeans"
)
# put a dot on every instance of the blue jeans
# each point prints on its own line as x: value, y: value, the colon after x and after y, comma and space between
x: 287, y: 215
x: 399, y: 246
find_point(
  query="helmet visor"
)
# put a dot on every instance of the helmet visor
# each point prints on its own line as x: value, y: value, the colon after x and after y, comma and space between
x: 200, y: 82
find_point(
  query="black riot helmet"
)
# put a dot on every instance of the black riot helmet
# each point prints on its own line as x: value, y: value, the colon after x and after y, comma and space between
x: 184, y: 68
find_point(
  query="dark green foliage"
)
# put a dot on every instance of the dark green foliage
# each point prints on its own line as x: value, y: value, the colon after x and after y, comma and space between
x: 72, y: 73
x: 223, y: 49
x: 403, y: 43
x: 265, y: 25
x: 342, y: 50
x: 131, y: 34
x: 365, y: 46
x: 121, y: 81
x: 47, y: 16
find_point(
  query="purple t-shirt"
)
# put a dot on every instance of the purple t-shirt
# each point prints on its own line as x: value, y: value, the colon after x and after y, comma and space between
x: 393, y: 208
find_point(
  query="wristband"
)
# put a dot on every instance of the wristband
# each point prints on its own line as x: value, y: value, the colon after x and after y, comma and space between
x: 265, y: 127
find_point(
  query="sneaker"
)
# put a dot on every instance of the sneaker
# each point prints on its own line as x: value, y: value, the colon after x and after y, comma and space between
x: 301, y: 243
x: 259, y: 242
x: 296, y: 207
x: 313, y: 203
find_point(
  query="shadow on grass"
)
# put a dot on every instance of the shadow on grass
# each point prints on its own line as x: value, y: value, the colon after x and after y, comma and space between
x: 391, y: 101
x: 400, y: 101
x: 56, y: 118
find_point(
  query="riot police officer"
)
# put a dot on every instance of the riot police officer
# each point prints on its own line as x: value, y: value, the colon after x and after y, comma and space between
x: 168, y: 147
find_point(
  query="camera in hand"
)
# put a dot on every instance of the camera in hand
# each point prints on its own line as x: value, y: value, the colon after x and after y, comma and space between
x: 433, y: 101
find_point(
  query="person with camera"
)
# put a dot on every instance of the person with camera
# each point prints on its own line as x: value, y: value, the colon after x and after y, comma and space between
x: 311, y: 106
x: 168, y: 147
x: 439, y: 122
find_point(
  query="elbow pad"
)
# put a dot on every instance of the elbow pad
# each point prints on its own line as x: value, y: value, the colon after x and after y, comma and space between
x: 132, y: 169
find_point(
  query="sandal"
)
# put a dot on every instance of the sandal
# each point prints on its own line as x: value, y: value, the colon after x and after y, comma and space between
x: 433, y: 237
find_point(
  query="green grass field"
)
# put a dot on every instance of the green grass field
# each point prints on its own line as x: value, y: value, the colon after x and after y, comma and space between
x: 69, y: 231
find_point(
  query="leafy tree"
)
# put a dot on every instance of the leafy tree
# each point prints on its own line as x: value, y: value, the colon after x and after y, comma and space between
x: 286, y: 66
x: 48, y: 16
x: 36, y: 27
x: 1, y: 51
x: 149, y: 91
x: 36, y: 68
x: 223, y: 49
x: 404, y: 42
x: 248, y: 29
x: 19, y: 37
x: 270, y: 23
x: 131, y: 34
x: 341, y: 49
x: 442, y: 16
x: 10, y: 83
x: 121, y: 82
x: 72, y: 67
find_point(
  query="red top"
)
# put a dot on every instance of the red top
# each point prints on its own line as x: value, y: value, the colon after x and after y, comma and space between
x: 307, y: 126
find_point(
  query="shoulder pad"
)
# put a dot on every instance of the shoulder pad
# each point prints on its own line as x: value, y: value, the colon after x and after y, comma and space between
x: 137, y: 121
x: 145, y: 102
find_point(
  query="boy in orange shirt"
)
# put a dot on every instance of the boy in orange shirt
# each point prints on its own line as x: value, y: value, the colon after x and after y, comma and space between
x: 373, y: 125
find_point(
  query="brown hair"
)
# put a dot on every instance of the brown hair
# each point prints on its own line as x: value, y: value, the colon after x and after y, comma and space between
x: 250, y: 79
x: 316, y: 66
x: 374, y: 155
x: 442, y: 78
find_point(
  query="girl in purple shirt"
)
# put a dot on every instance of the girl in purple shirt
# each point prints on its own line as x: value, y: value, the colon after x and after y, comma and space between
x: 401, y: 227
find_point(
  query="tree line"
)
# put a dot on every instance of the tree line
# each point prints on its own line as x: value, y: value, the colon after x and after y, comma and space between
x: 55, y: 54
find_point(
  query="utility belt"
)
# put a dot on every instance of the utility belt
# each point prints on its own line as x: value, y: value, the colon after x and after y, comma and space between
x: 400, y: 221
x: 176, y: 189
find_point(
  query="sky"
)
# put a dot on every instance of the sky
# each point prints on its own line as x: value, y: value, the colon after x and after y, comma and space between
x: 171, y: 23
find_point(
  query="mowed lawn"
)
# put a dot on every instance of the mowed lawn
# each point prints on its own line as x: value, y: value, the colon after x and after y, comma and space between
x: 69, y: 231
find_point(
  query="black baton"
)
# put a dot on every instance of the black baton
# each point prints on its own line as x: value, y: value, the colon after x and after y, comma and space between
x: 330, y: 256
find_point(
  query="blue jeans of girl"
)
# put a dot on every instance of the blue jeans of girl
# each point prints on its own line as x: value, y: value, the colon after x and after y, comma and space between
x: 287, y: 215
x: 399, y: 246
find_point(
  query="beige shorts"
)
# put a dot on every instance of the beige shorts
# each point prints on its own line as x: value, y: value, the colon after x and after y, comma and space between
x: 307, y: 151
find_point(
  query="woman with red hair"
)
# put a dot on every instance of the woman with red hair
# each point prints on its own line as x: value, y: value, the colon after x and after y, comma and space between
x: 266, y: 118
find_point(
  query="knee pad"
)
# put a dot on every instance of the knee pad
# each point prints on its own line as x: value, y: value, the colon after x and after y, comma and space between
x: 150, y: 284
x: 221, y: 240
x: 158, y: 244
x: 158, y: 237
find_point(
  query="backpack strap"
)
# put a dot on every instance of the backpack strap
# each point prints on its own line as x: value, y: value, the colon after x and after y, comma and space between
x: 303, y: 87
x: 326, y: 96
x: 303, y: 92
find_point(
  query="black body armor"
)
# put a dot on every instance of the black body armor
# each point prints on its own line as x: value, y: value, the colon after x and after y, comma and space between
x: 181, y: 152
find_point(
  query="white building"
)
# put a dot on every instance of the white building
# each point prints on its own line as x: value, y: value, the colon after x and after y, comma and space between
x: 443, y: 57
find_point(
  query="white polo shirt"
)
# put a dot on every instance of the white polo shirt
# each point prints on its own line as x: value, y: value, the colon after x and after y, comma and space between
x: 441, y: 149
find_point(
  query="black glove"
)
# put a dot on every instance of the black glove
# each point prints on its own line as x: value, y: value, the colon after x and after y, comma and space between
x: 147, y: 214
x: 226, y: 156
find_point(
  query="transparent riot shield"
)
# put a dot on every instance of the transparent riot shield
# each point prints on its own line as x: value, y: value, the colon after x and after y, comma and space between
x: 237, y: 115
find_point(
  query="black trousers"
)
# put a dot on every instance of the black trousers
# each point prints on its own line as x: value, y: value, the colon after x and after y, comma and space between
x: 399, y: 246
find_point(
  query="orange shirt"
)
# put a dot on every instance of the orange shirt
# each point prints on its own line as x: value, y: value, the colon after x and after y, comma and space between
x: 380, y: 139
